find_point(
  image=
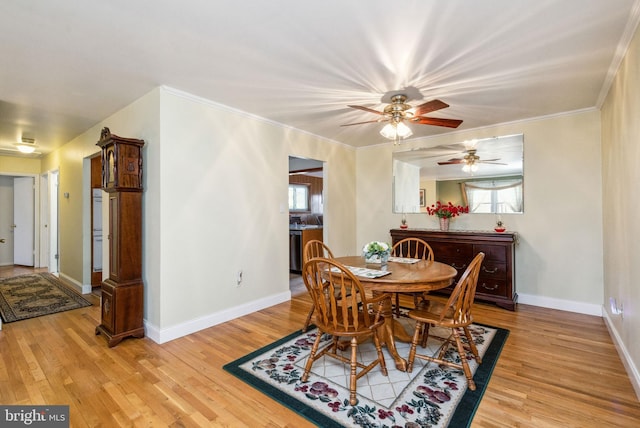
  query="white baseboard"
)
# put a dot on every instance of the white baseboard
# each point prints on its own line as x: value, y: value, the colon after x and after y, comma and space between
x: 82, y: 288
x: 627, y: 361
x: 174, y: 332
x: 561, y: 304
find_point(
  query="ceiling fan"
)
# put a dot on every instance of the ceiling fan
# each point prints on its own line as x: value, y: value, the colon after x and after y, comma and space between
x: 398, y: 111
x: 471, y: 161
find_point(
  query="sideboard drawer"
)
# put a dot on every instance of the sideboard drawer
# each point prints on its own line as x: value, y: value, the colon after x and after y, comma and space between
x: 448, y: 251
x: 493, y: 270
x: 493, y: 287
x: 493, y: 253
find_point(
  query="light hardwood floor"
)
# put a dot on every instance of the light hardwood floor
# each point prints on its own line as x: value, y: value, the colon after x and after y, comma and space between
x: 557, y: 369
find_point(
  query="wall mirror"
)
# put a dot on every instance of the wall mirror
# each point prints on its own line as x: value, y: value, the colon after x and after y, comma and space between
x: 485, y: 174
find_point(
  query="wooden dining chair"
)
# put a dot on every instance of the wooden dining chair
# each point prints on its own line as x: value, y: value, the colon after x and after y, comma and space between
x: 455, y: 314
x: 314, y: 248
x: 414, y: 248
x: 343, y: 310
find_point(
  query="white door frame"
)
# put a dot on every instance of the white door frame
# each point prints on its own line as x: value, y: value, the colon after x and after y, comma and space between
x: 43, y: 224
x: 52, y: 215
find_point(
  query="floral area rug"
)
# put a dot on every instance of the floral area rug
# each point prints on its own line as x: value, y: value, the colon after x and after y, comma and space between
x: 34, y: 295
x: 430, y: 396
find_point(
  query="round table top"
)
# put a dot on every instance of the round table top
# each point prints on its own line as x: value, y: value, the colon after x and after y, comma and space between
x: 405, y: 277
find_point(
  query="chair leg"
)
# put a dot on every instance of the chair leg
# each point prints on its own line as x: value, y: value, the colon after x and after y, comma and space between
x: 397, y: 308
x: 309, y: 315
x: 472, y: 345
x: 383, y: 363
x: 353, y: 378
x: 312, y: 355
x: 463, y: 359
x: 425, y: 334
x: 414, y: 344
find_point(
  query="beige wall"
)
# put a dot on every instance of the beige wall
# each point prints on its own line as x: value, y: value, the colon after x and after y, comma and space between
x: 621, y: 205
x: 224, y: 206
x: 559, y: 258
x: 16, y: 165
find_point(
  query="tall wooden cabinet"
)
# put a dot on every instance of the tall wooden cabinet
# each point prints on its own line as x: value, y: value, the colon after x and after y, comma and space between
x: 122, y: 304
x: 496, y: 281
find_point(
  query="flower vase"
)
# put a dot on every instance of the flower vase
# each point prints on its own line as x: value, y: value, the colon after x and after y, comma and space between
x: 384, y: 259
x: 444, y: 224
x: 379, y: 258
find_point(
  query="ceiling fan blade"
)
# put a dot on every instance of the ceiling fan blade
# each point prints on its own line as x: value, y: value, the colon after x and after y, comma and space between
x: 452, y: 162
x: 368, y: 121
x: 429, y: 106
x: 370, y: 110
x: 492, y: 163
x: 449, y: 123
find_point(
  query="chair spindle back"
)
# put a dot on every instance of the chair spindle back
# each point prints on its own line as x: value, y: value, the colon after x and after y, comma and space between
x: 414, y: 248
x: 336, y: 293
x: 461, y: 298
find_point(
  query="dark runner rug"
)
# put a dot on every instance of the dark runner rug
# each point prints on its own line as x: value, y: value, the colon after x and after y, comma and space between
x: 34, y: 295
x: 430, y: 396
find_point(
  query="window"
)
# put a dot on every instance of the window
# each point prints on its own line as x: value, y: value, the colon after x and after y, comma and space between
x: 494, y: 196
x: 298, y: 197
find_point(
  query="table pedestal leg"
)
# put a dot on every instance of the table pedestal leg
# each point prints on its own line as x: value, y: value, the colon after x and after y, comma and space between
x: 386, y: 335
x: 400, y: 333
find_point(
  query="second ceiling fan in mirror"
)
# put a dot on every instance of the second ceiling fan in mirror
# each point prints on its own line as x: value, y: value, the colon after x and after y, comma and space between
x: 470, y: 161
x: 398, y: 111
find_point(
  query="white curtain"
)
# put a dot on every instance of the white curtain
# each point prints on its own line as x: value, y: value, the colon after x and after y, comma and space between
x: 493, y: 196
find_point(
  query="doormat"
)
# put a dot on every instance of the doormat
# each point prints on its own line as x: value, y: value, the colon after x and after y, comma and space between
x: 35, y: 295
x: 430, y: 396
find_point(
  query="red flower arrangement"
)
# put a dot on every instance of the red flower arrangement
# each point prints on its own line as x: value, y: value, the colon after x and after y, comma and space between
x: 446, y: 211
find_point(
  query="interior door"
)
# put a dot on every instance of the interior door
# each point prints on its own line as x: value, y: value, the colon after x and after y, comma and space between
x: 23, y: 220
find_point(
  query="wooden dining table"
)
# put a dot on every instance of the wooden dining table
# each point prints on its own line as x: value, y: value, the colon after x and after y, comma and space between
x: 415, y: 277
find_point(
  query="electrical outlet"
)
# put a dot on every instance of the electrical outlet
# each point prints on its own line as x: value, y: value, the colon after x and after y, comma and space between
x: 239, y: 278
x: 616, y: 307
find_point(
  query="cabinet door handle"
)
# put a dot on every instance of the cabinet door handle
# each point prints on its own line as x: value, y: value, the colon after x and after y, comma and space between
x: 484, y: 269
x: 486, y: 287
x: 459, y: 267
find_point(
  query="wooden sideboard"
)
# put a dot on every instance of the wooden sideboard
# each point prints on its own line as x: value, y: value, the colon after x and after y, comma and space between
x: 496, y: 283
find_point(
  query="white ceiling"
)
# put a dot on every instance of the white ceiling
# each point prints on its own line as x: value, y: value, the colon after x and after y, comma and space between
x: 68, y: 64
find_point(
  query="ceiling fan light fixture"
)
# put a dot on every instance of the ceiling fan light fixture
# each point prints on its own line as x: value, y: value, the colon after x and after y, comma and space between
x: 403, y: 130
x: 470, y: 167
x: 395, y: 131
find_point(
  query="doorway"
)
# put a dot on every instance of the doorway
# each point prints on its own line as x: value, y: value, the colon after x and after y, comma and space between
x: 18, y: 214
x: 306, y: 213
x: 96, y: 221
